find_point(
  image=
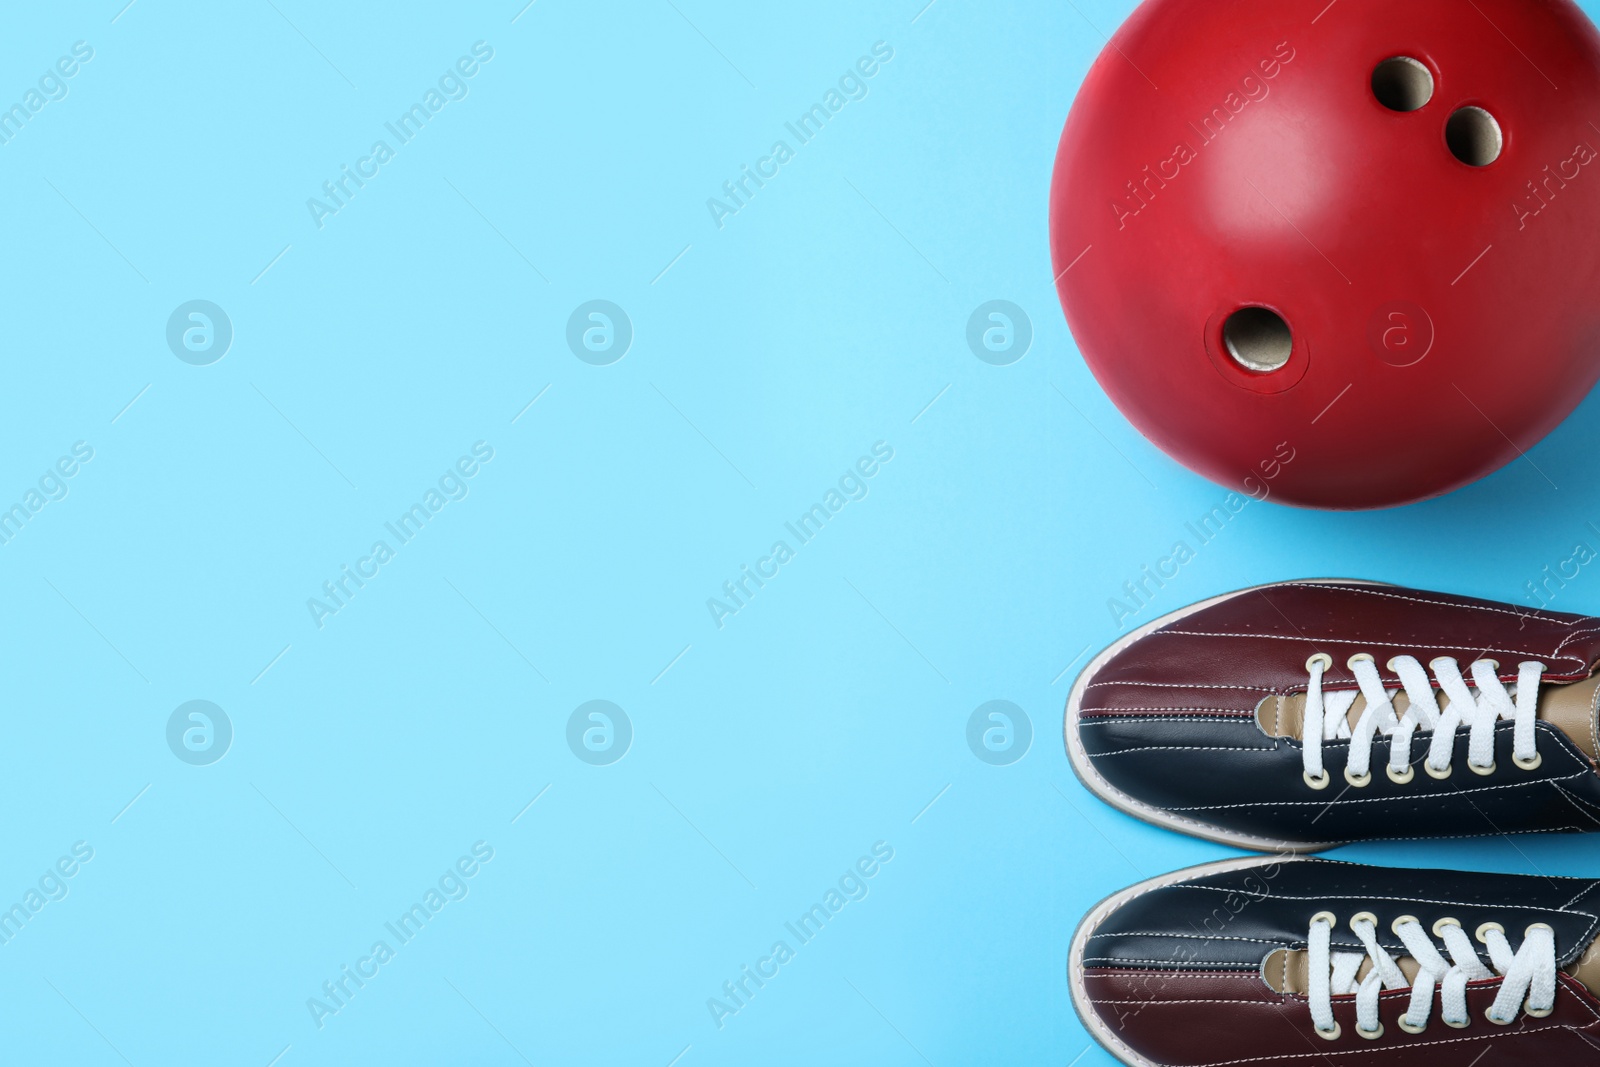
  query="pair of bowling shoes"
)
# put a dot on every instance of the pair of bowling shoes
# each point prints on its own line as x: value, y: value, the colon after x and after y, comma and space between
x: 1293, y: 717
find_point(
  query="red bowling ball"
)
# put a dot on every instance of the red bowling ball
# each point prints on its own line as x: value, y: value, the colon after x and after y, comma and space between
x: 1364, y: 233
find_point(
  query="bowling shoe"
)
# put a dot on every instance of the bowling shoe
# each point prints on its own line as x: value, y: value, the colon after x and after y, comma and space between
x: 1280, y: 961
x: 1301, y: 715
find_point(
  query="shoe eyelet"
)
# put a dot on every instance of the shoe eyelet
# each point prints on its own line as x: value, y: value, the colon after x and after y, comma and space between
x: 1390, y: 666
x: 1528, y: 765
x: 1484, y: 930
x: 1364, y: 917
x: 1405, y: 1024
x: 1360, y: 781
x: 1325, y: 917
x: 1402, y: 921
x: 1443, y: 924
x: 1498, y: 1022
x: 1330, y: 1035
x: 1484, y: 771
x: 1371, y: 1035
x: 1322, y: 658
x: 1360, y: 657
x: 1401, y: 779
x: 1440, y: 776
x: 1317, y: 783
x: 1494, y: 664
x: 1460, y: 1025
x: 1530, y: 1013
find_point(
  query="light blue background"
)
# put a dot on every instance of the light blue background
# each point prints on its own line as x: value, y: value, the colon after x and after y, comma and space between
x: 768, y: 755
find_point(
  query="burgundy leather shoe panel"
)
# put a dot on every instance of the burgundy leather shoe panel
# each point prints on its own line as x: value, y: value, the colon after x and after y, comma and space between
x: 1196, y: 1019
x: 1225, y: 658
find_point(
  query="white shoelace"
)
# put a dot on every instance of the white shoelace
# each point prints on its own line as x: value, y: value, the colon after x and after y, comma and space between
x: 1530, y: 973
x: 1327, y: 716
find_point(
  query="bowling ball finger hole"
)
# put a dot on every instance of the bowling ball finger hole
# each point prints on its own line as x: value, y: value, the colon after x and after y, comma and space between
x: 1258, y: 339
x: 1474, y: 136
x: 1402, y: 84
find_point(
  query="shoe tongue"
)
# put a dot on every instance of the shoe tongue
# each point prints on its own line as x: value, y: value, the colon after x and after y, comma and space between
x: 1574, y: 709
x: 1288, y: 971
x: 1587, y: 971
x: 1571, y: 709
